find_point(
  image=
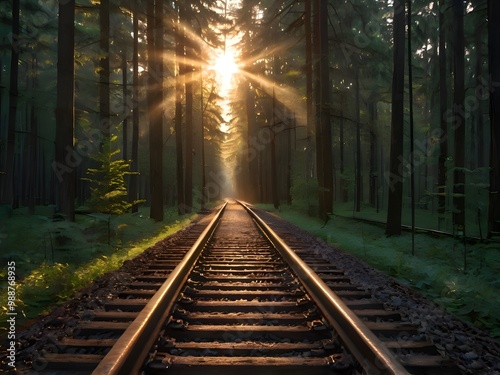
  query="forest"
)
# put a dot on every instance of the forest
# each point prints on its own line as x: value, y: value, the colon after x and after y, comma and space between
x: 121, y: 120
x: 386, y: 106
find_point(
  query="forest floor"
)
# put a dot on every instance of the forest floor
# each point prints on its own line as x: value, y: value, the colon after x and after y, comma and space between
x: 54, y: 259
x: 462, y: 279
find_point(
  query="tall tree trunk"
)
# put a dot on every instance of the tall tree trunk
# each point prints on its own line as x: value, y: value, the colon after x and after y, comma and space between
x: 478, y: 151
x: 326, y: 127
x: 309, y: 88
x: 291, y: 142
x: 204, y: 197
x: 359, y: 181
x: 494, y: 64
x: 458, y: 115
x: 373, y: 154
x: 342, y: 181
x: 8, y: 180
x: 189, y: 133
x: 395, y: 177
x: 410, y: 105
x: 179, y: 53
x: 126, y: 109
x: 443, y: 105
x: 317, y: 105
x: 1, y: 126
x: 133, y: 187
x: 323, y: 133
x: 252, y: 148
x: 104, y: 106
x: 65, y: 160
x: 33, y: 149
x: 155, y: 98
x: 274, y: 166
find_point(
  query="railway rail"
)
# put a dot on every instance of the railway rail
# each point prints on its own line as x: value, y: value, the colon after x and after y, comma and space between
x: 234, y: 297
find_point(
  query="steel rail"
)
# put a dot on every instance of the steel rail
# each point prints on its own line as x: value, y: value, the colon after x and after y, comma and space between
x: 370, y: 352
x: 131, y: 350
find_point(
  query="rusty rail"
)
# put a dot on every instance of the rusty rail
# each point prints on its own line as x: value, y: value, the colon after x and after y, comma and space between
x: 362, y: 343
x: 131, y: 350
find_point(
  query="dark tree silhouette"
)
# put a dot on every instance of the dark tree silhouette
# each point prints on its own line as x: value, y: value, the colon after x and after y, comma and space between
x: 179, y: 53
x: 155, y: 98
x: 65, y: 119
x: 459, y: 114
x: 8, y: 177
x: 104, y: 103
x: 133, y: 179
x: 494, y: 57
x: 395, y: 177
x: 443, y: 101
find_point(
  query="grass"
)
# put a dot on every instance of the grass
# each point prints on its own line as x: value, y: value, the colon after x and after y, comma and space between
x: 436, y: 271
x: 56, y: 259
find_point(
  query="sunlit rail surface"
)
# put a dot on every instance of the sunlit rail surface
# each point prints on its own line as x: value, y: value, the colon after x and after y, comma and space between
x: 233, y: 297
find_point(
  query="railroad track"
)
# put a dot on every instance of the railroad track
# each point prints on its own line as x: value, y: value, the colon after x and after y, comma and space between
x: 238, y: 299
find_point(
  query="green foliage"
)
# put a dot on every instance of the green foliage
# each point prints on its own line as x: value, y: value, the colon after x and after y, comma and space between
x: 108, y: 188
x: 304, y: 190
x: 304, y: 193
x: 43, y: 284
x: 436, y: 270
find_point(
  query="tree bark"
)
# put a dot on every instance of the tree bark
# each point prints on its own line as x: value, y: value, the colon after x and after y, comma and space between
x: 252, y: 149
x: 104, y: 103
x: 344, y: 195
x: 33, y: 143
x: 479, y: 150
x: 65, y: 156
x: 318, y: 147
x: 274, y: 169
x: 204, y: 197
x: 458, y: 115
x: 373, y: 155
x: 155, y: 98
x: 133, y: 181
x: 395, y: 177
x: 323, y: 133
x: 494, y: 65
x: 359, y: 182
x: 443, y: 105
x: 179, y: 53
x: 410, y: 105
x: 189, y: 134
x: 8, y: 180
x: 309, y: 88
x: 125, y: 105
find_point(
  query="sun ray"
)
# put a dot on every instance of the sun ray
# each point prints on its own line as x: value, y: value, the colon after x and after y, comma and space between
x: 285, y: 94
x: 270, y: 51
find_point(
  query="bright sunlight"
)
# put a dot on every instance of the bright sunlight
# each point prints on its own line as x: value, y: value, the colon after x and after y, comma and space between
x: 225, y: 68
x: 225, y: 64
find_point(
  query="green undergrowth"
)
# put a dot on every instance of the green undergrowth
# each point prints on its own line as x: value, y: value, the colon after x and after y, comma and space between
x: 436, y: 270
x: 53, y: 260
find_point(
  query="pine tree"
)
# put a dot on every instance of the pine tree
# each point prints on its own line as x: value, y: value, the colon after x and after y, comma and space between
x: 107, y: 182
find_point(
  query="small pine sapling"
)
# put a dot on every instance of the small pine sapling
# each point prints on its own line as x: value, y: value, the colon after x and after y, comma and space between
x: 108, y: 191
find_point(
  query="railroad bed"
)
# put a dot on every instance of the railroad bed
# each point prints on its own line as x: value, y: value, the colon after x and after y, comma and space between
x: 237, y: 299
